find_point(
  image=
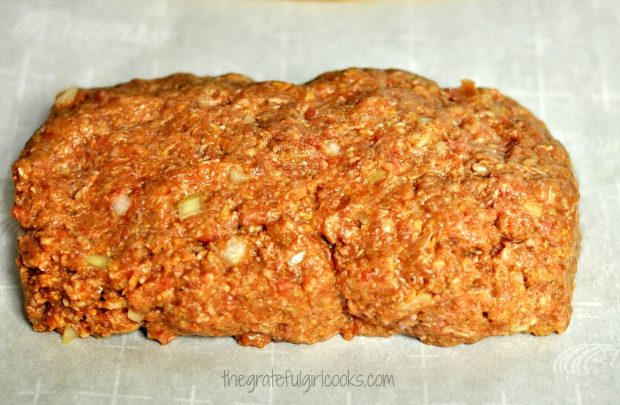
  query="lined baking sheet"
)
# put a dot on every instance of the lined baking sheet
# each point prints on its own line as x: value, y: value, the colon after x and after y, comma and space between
x: 557, y: 57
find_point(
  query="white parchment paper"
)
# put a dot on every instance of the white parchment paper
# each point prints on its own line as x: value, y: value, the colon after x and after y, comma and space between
x: 559, y: 58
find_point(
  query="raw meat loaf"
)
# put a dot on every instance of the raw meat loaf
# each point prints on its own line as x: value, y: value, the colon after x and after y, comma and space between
x: 364, y: 202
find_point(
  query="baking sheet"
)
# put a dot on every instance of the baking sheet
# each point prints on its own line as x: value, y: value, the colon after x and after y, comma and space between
x: 557, y: 57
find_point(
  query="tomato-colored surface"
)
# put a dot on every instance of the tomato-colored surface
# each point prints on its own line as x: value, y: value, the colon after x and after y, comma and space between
x: 363, y: 202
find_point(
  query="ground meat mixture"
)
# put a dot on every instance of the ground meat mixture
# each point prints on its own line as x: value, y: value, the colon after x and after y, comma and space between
x: 364, y: 202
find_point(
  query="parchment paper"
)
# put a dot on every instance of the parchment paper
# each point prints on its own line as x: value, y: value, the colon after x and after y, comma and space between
x: 560, y: 58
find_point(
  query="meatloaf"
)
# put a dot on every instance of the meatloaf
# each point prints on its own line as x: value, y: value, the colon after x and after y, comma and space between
x: 364, y: 202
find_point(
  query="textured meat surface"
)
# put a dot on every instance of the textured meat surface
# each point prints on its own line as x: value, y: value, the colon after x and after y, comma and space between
x: 364, y: 202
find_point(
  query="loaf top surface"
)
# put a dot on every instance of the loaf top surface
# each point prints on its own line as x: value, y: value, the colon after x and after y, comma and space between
x: 378, y: 182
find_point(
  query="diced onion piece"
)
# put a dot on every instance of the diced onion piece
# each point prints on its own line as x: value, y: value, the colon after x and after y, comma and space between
x: 387, y: 226
x: 533, y: 208
x: 480, y: 169
x: 207, y: 101
x: 297, y: 258
x: 517, y: 277
x: 332, y: 148
x: 424, y: 120
x: 99, y: 261
x: 121, y: 204
x: 118, y: 303
x: 417, y: 300
x: 237, y: 175
x: 519, y: 328
x: 235, y: 250
x: 441, y: 148
x: 376, y: 175
x: 189, y: 206
x: 135, y: 316
x: 68, y: 335
x: 66, y: 97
